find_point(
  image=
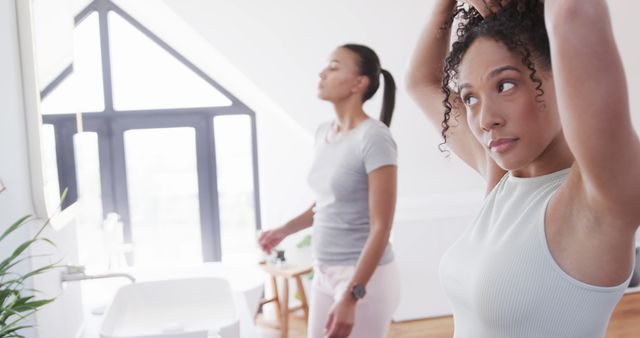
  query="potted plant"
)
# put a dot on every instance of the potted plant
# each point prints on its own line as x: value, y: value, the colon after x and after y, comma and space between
x: 17, y: 301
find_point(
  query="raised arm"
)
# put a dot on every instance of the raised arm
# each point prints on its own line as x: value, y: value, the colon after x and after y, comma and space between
x: 424, y: 81
x: 594, y: 106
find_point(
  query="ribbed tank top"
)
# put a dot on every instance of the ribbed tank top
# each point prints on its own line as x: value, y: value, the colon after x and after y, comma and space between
x: 502, y: 280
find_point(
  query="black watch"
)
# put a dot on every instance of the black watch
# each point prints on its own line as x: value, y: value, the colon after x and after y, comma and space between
x: 358, y: 291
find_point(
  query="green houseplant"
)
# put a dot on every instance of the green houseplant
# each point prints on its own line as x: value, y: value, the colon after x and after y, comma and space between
x: 17, y: 301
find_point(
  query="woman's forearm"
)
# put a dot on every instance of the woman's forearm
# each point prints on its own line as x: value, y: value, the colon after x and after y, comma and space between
x: 370, y: 257
x: 302, y: 221
x: 432, y: 47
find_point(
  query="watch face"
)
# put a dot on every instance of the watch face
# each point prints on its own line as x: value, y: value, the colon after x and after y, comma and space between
x: 358, y: 291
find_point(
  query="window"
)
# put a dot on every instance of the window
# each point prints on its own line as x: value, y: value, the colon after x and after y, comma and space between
x: 236, y: 193
x: 162, y: 182
x: 82, y: 90
x: 137, y: 83
x: 165, y: 147
x: 50, y: 165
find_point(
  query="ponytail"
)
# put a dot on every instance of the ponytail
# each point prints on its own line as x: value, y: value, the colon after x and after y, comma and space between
x: 369, y: 64
x: 388, y: 98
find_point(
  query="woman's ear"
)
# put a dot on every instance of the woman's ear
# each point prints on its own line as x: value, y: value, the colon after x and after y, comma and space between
x: 361, y: 84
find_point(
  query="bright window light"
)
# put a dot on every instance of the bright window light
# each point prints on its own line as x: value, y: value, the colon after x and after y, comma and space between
x: 145, y: 76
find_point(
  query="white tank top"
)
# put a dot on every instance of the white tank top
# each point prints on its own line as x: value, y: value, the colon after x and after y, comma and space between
x: 502, y: 281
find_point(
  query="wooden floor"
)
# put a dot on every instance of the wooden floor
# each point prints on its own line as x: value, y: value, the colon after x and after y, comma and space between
x: 625, y: 323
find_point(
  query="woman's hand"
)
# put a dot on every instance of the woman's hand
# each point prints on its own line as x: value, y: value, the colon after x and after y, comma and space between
x: 486, y: 7
x: 341, y: 318
x: 269, y: 239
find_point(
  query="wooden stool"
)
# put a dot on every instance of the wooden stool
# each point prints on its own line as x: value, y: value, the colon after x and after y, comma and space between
x: 282, y: 302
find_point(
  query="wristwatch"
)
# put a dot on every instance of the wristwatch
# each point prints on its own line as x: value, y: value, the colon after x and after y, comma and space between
x: 358, y: 291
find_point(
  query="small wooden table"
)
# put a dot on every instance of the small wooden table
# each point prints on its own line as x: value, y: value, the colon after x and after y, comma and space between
x: 281, y: 299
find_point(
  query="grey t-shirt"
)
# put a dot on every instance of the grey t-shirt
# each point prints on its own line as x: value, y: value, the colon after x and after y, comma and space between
x: 339, y: 179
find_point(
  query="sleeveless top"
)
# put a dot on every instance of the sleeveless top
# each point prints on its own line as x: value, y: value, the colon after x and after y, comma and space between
x: 502, y: 280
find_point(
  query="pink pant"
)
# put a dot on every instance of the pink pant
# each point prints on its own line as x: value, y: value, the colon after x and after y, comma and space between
x: 373, y: 312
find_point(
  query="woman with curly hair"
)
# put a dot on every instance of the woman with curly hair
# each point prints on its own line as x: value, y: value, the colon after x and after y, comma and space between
x: 532, y: 96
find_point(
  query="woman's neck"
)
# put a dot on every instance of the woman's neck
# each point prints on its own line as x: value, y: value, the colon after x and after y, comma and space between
x: 349, y: 114
x: 555, y: 157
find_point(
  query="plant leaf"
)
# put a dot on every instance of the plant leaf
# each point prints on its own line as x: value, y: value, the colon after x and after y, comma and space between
x: 6, y: 270
x: 18, y: 251
x: 15, y: 307
x: 14, y: 226
x: 7, y: 331
x: 306, y: 241
x: 40, y: 270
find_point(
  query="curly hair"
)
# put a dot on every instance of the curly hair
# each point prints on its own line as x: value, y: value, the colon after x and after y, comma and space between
x: 519, y: 25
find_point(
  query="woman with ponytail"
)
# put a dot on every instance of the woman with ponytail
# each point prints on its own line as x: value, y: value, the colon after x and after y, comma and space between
x: 356, y: 286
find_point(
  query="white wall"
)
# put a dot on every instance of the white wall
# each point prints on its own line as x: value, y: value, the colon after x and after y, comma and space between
x: 16, y: 200
x: 14, y: 169
x: 624, y: 20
